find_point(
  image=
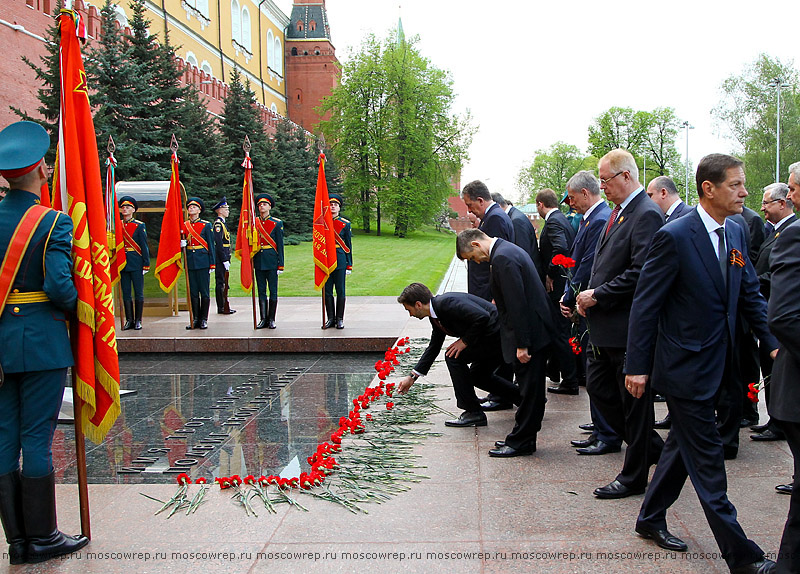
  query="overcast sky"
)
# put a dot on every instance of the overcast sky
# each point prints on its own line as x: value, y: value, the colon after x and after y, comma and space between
x: 533, y: 73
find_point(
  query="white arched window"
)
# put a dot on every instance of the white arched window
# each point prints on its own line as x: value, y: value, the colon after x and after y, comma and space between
x: 236, y: 22
x: 206, y: 67
x: 278, y: 63
x: 119, y: 15
x: 274, y: 108
x: 202, y: 6
x: 246, y: 40
x: 270, y: 50
x: 191, y: 59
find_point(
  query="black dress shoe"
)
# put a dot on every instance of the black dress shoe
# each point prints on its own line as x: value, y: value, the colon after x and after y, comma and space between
x: 496, y: 406
x: 615, y: 489
x: 499, y: 443
x: 662, y: 537
x: 759, y: 428
x: 659, y: 399
x: 506, y: 451
x: 745, y: 422
x: 588, y: 427
x: 763, y: 566
x: 563, y: 389
x: 599, y: 447
x: 768, y: 434
x: 467, y: 419
x: 585, y: 442
x: 785, y: 488
x: 664, y: 423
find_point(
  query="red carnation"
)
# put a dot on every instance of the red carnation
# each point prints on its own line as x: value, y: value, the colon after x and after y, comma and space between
x: 389, y: 406
x: 183, y: 478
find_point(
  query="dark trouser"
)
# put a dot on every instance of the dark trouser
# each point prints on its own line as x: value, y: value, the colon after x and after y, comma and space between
x: 528, y: 419
x: 220, y: 288
x: 133, y: 279
x: 748, y: 368
x: 480, y: 366
x: 729, y: 410
x: 694, y: 449
x: 29, y: 405
x: 200, y: 283
x: 267, y: 279
x: 789, y: 552
x: 630, y: 418
x: 560, y: 350
x: 766, y: 373
x: 337, y: 280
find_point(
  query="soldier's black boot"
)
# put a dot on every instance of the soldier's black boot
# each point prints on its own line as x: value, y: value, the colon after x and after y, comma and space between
x: 11, y: 515
x: 330, y: 311
x: 195, y: 313
x: 45, y: 541
x: 220, y: 296
x: 128, y: 315
x: 205, y: 304
x: 138, y: 308
x: 262, y: 308
x: 273, y: 306
x: 339, y: 312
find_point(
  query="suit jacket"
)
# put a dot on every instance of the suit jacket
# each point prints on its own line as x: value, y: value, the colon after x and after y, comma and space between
x: 556, y: 238
x: 617, y: 263
x: 35, y: 335
x: 784, y: 322
x: 680, y: 210
x: 683, y: 317
x: 466, y: 316
x: 756, y: 227
x: 583, y: 249
x: 495, y: 223
x: 526, y: 315
x: 525, y: 236
x: 762, y: 262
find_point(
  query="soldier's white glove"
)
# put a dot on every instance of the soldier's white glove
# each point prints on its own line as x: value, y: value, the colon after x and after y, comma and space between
x: 210, y: 270
x: 280, y: 271
x: 227, y: 265
x: 144, y: 271
x: 183, y: 243
x: 348, y: 272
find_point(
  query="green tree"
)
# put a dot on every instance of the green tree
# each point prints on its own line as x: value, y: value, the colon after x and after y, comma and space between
x: 748, y: 114
x: 618, y: 128
x: 659, y: 142
x: 294, y: 165
x: 552, y: 168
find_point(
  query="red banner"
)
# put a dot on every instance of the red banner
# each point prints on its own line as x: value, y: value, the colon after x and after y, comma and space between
x: 246, y: 242
x: 116, y: 241
x: 168, y: 263
x: 324, y: 242
x: 80, y: 190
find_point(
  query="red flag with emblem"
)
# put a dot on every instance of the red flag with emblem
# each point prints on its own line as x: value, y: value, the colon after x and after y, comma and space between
x: 169, y: 263
x: 324, y: 242
x: 246, y: 242
x: 80, y: 190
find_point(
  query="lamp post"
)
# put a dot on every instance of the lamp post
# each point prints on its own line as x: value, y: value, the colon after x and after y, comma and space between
x: 778, y: 82
x: 686, y: 183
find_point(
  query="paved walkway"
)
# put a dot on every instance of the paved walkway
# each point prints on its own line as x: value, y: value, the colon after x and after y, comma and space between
x: 475, y: 514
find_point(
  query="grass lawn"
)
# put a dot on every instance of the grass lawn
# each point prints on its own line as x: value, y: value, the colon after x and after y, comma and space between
x: 381, y: 265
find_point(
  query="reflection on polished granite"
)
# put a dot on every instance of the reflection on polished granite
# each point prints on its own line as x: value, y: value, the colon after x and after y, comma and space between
x: 219, y: 415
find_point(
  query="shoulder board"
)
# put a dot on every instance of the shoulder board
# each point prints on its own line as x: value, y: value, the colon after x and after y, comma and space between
x: 204, y: 221
x: 274, y: 219
x: 345, y: 220
x: 139, y: 221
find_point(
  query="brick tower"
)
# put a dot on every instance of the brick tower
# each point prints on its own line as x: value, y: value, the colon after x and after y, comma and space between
x: 311, y: 65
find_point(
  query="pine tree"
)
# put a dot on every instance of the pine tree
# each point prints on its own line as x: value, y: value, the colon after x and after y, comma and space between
x: 295, y: 170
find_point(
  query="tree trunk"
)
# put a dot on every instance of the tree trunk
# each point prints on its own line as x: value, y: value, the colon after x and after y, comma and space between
x: 378, y: 217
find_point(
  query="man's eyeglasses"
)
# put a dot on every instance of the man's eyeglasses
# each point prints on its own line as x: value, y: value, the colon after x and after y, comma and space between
x: 764, y: 203
x: 605, y: 181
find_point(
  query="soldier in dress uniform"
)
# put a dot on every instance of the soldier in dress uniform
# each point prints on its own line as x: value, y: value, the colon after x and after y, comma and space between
x: 137, y: 263
x: 344, y: 265
x: 222, y: 259
x: 36, y: 292
x: 268, y: 262
x: 199, y: 261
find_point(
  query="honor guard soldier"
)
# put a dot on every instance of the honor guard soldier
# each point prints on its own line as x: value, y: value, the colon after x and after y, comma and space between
x: 137, y: 263
x: 268, y: 262
x: 344, y: 265
x: 36, y: 292
x: 222, y: 257
x: 199, y: 261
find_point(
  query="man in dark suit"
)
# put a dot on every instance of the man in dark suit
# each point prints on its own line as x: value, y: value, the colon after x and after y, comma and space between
x: 526, y: 324
x: 524, y: 233
x: 696, y: 279
x: 784, y: 322
x: 494, y: 223
x: 584, y: 195
x: 473, y: 359
x: 35, y: 296
x: 778, y: 211
x: 621, y: 251
x: 664, y: 192
x: 556, y: 238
